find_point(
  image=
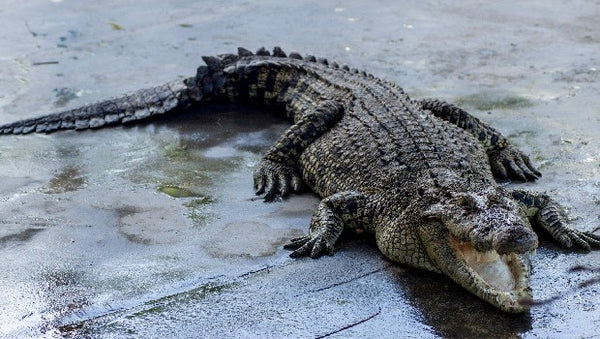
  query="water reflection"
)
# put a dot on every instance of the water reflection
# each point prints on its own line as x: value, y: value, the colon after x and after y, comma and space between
x: 452, y: 311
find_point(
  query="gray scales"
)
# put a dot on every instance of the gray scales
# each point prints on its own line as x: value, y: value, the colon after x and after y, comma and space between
x: 420, y: 175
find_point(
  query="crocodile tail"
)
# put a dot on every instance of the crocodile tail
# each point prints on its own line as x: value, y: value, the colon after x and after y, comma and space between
x: 133, y: 106
x: 208, y: 84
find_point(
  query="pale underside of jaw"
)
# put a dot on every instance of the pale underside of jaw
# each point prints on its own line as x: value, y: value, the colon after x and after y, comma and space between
x: 496, y: 270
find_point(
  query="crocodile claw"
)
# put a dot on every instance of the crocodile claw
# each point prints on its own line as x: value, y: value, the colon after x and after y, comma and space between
x: 578, y: 239
x: 552, y: 218
x: 275, y: 179
x: 510, y: 162
x: 313, y: 246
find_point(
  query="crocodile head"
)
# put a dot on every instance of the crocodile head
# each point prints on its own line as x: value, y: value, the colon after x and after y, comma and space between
x: 482, y: 243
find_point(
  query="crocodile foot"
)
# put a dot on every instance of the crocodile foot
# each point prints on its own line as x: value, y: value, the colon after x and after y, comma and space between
x: 552, y: 218
x: 272, y: 179
x: 315, y: 246
x: 510, y: 162
x: 579, y: 239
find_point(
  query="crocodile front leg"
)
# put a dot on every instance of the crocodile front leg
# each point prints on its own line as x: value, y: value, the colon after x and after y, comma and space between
x: 548, y: 214
x: 506, y: 160
x: 277, y: 172
x: 334, y: 213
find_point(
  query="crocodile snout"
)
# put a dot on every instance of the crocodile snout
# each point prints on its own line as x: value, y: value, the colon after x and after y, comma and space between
x: 515, y: 240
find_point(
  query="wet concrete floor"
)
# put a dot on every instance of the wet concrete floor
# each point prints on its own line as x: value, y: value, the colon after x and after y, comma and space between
x: 151, y: 230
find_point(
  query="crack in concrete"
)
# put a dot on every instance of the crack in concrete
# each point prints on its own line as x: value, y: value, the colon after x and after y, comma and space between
x: 346, y: 281
x: 351, y: 325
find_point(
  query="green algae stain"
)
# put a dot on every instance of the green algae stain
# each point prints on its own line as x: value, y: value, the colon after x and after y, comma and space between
x: 487, y: 101
x: 68, y: 180
x: 115, y: 26
x: 176, y: 191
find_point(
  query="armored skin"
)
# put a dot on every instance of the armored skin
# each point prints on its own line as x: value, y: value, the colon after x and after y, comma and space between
x: 417, y: 174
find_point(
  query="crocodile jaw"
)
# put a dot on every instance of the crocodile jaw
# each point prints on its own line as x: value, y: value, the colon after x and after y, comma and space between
x: 501, y: 280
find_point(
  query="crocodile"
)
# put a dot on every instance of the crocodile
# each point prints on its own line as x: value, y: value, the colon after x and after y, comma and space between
x: 422, y: 176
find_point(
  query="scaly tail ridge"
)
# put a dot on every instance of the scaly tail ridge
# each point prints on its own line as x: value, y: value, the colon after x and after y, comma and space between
x: 133, y: 106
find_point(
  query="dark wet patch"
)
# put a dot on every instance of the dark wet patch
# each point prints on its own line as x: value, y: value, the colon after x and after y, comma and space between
x: 64, y: 95
x: 68, y: 180
x: 136, y: 239
x: 199, y: 202
x: 124, y: 212
x: 210, y: 143
x: 22, y: 236
x: 521, y: 134
x: 485, y: 101
x: 476, y: 319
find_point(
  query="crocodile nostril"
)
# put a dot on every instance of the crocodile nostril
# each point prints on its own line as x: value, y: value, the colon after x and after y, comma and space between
x: 515, y: 240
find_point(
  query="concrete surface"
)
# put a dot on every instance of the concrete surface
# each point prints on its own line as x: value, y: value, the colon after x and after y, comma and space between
x: 152, y: 230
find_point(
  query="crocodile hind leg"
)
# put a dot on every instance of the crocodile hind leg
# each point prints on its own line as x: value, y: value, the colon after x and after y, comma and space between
x: 506, y: 160
x: 334, y: 213
x: 550, y: 216
x: 277, y: 173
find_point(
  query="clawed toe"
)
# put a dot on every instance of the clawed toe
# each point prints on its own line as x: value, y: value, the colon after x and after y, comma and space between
x: 296, y: 242
x: 575, y: 239
x: 511, y: 163
x: 309, y: 246
x: 275, y: 180
x: 586, y: 240
x: 551, y: 217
